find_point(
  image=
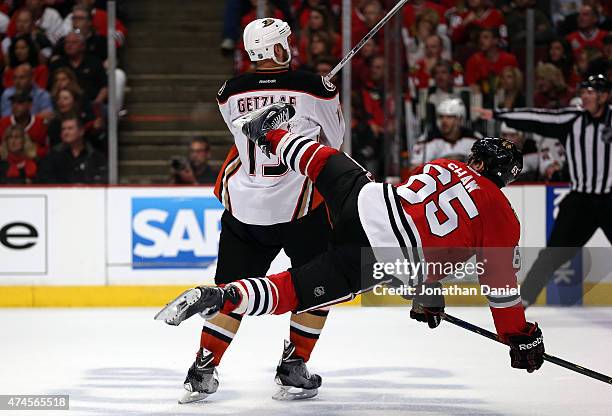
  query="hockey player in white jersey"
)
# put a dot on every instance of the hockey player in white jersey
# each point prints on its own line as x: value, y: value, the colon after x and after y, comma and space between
x: 451, y: 140
x: 269, y: 207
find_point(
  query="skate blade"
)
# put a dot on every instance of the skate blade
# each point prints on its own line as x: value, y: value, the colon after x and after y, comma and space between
x: 173, y: 311
x: 192, y: 397
x: 287, y: 393
x: 242, y: 120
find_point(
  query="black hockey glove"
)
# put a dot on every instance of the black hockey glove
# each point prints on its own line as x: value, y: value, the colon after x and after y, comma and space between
x: 527, y: 349
x: 428, y: 307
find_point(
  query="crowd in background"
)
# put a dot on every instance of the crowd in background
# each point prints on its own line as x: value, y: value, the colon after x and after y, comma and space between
x: 471, y: 49
x: 54, y: 91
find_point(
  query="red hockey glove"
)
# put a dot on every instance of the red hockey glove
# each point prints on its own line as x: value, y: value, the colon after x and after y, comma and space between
x: 428, y: 307
x: 527, y: 349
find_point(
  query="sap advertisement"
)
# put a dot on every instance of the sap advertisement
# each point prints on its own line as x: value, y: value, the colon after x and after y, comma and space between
x: 175, y: 232
x: 163, y: 234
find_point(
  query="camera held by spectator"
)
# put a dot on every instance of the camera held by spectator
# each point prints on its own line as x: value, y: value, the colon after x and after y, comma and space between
x: 193, y: 170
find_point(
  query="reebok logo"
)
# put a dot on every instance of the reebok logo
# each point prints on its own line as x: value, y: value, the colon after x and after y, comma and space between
x: 267, y: 81
x: 531, y: 345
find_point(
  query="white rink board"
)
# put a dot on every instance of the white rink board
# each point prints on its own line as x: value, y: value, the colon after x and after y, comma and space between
x: 74, y: 237
x: 93, y: 233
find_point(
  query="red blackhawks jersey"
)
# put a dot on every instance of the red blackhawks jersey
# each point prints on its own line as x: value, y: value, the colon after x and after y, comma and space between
x: 447, y: 212
x: 260, y: 190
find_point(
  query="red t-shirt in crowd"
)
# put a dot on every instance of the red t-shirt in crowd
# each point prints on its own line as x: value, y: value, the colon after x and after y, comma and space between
x: 36, y: 129
x: 490, y: 19
x: 40, y: 76
x: 99, y: 21
x: 579, y: 40
x: 420, y: 75
x: 479, y: 68
x: 17, y: 163
x: 373, y: 104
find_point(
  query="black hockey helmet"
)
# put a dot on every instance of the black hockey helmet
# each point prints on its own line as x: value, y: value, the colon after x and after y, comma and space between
x: 503, y: 162
x: 597, y: 82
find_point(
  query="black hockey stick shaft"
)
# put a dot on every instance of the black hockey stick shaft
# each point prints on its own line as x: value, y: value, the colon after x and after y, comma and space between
x: 550, y: 358
x: 366, y: 38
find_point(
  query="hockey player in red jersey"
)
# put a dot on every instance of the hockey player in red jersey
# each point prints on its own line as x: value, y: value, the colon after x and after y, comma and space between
x: 446, y: 205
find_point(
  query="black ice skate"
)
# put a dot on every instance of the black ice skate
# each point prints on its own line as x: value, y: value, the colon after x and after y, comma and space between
x: 204, y: 300
x: 256, y: 124
x: 293, y: 378
x: 202, y: 379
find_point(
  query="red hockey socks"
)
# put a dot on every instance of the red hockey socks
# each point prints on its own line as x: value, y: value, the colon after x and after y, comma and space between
x: 218, y: 333
x: 304, y: 331
x: 272, y: 295
x: 300, y: 153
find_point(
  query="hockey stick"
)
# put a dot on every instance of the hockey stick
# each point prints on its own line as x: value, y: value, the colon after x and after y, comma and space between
x: 366, y: 38
x: 550, y: 358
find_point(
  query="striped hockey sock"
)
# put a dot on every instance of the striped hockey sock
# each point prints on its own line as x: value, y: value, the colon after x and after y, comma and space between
x: 300, y: 153
x: 218, y: 333
x: 304, y: 331
x: 273, y: 294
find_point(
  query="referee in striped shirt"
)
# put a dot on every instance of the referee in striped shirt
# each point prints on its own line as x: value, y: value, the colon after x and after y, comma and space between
x: 586, y: 134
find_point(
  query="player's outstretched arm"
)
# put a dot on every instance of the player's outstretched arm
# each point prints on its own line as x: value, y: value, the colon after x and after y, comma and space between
x: 550, y: 123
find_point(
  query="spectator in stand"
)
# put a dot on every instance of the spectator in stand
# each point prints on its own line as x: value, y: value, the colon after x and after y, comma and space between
x: 64, y: 77
x: 484, y: 66
x: 446, y: 75
x: 88, y: 68
x: 373, y: 95
x: 601, y: 61
x: 22, y: 82
x: 584, y: 58
x: 73, y: 161
x: 560, y: 55
x: 24, y: 25
x: 365, y: 144
x: 195, y: 170
x: 95, y: 44
x: 516, y: 21
x: 412, y: 10
x: 319, y: 22
x: 426, y: 24
x: 509, y: 91
x: 324, y: 65
x: 373, y: 11
x: 570, y: 23
x: 450, y: 140
x: 23, y: 51
x: 588, y: 34
x: 69, y: 100
x: 360, y: 64
x: 99, y: 22
x: 479, y: 15
x: 550, y: 89
x: 304, y: 10
x: 17, y: 157
x: 270, y: 11
x: 319, y: 47
x: 35, y: 126
x: 46, y: 19
x: 421, y: 71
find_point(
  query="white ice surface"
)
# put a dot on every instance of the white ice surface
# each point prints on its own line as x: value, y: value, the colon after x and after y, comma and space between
x: 374, y: 361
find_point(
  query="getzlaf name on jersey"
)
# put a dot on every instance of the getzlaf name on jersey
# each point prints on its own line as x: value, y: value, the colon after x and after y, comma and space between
x: 247, y: 171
